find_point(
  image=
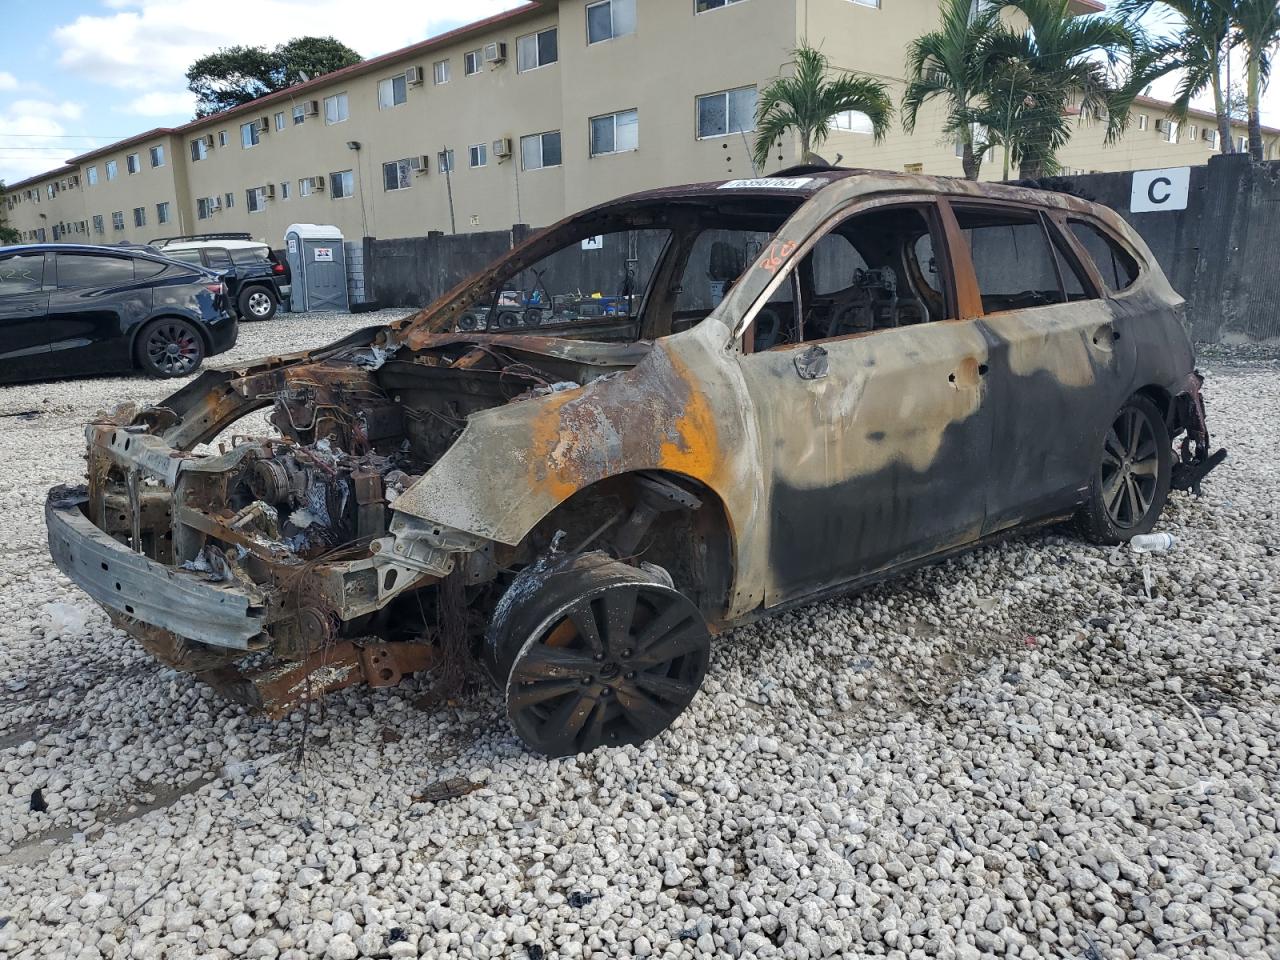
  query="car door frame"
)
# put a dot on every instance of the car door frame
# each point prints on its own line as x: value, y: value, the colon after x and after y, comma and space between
x: 1053, y: 404
x: 104, y: 341
x: 960, y: 326
x: 31, y: 360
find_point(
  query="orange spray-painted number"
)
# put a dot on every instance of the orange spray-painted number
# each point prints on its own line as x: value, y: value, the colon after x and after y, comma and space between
x: 779, y: 250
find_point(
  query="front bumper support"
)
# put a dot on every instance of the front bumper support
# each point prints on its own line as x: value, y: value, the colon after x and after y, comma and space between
x: 173, y: 599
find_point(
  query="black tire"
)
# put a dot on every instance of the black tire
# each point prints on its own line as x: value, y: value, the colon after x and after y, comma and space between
x: 169, y: 347
x: 589, y: 651
x: 256, y: 303
x: 1130, y: 483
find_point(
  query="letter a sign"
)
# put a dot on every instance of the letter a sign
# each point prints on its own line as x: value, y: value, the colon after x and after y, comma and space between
x: 1155, y: 190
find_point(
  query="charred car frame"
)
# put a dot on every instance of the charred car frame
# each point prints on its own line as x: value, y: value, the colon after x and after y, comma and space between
x: 804, y: 384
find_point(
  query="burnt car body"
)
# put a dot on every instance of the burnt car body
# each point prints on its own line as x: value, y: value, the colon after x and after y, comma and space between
x: 828, y: 376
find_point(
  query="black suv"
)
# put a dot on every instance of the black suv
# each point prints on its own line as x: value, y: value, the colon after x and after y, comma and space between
x: 257, y: 280
x: 68, y: 309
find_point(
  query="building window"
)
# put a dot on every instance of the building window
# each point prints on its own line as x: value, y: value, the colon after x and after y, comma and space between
x: 249, y: 135
x: 222, y: 138
x: 1191, y: 132
x: 199, y: 149
x: 157, y: 156
x: 284, y: 189
x: 98, y: 225
x: 397, y: 175
x: 117, y: 220
x: 162, y: 212
x: 615, y: 133
x: 304, y: 187
x: 440, y: 72
x: 255, y: 198
x: 540, y: 150
x: 133, y: 163
x: 478, y: 154
x: 92, y: 175
x: 392, y: 92
x: 112, y: 171
x: 341, y: 183
x: 853, y: 121
x: 1242, y: 144
x: 299, y: 114
x: 335, y: 108
x: 609, y: 19
x: 139, y: 216
x: 702, y: 6
x: 1211, y: 137
x: 729, y: 111
x: 471, y: 62
x: 868, y: 3
x: 203, y: 208
x: 229, y: 199
x: 1142, y: 121
x: 445, y: 161
x: 279, y: 118
x: 536, y: 50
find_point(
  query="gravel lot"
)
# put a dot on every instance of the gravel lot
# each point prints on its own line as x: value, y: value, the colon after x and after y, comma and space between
x: 1023, y: 753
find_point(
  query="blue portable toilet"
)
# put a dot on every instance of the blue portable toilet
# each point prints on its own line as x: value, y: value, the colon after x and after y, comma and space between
x: 317, y: 258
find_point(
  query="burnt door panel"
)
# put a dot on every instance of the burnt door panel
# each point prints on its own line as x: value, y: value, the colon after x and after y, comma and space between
x: 880, y: 460
x: 1058, y: 368
x: 96, y: 303
x: 24, y: 302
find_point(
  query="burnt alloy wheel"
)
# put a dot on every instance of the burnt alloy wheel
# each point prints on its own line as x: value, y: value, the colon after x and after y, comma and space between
x: 170, y: 347
x: 256, y: 304
x: 593, y: 652
x: 1131, y: 482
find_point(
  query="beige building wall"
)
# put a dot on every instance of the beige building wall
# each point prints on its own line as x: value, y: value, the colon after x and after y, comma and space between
x: 674, y: 55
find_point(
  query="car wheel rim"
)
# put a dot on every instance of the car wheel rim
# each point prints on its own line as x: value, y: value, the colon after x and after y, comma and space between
x: 614, y: 668
x: 173, y: 349
x: 259, y: 304
x: 1130, y: 469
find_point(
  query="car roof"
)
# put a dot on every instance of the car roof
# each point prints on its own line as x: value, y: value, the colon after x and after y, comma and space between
x: 224, y: 244
x: 130, y: 250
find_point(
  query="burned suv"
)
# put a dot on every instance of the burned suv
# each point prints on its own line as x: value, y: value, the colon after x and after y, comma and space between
x: 821, y: 378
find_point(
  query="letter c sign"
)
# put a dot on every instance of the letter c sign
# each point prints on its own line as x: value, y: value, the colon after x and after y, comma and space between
x: 1156, y: 190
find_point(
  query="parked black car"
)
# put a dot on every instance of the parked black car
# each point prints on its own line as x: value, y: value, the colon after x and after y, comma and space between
x: 69, y: 309
x: 257, y: 280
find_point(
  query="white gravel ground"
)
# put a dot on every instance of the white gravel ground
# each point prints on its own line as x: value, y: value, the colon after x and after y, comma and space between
x: 1020, y: 754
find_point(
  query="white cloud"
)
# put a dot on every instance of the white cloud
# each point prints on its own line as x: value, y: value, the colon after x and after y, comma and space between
x: 8, y: 81
x: 34, y: 139
x: 147, y: 45
x: 161, y: 104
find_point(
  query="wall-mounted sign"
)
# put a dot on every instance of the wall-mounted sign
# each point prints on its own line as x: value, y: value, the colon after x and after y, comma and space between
x: 293, y: 245
x: 324, y: 254
x: 593, y: 243
x: 1155, y: 190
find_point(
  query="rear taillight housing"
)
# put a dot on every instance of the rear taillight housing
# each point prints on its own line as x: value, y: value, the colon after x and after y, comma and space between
x: 217, y: 289
x: 277, y: 268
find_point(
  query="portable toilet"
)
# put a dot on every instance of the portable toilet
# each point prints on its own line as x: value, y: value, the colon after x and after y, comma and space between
x: 318, y: 261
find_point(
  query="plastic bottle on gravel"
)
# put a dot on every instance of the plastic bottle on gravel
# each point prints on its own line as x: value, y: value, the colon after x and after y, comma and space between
x: 1152, y: 542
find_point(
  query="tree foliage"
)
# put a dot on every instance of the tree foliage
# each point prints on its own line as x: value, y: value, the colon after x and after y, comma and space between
x: 233, y: 76
x: 808, y: 100
x: 7, y: 233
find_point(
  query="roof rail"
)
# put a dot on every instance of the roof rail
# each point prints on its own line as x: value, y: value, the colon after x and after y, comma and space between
x: 160, y: 241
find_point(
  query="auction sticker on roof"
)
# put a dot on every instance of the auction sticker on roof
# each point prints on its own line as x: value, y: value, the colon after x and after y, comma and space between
x: 768, y: 183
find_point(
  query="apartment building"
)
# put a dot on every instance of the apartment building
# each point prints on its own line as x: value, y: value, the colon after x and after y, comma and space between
x: 528, y: 116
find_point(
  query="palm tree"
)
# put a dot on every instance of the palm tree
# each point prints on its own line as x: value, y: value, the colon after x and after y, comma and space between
x: 1038, y: 70
x: 1257, y: 30
x: 950, y: 64
x: 807, y: 101
x: 1201, y: 34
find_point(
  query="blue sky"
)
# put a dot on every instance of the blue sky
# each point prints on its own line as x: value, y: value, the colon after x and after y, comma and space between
x: 75, y: 74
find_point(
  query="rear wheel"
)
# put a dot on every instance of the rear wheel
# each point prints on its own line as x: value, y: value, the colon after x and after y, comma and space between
x: 594, y: 652
x: 1131, y: 481
x: 256, y: 303
x: 169, y: 347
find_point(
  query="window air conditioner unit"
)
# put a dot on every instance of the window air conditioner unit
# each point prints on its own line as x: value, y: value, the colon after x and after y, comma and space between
x: 317, y: 184
x: 1209, y: 135
x: 413, y: 76
x: 502, y: 147
x: 208, y: 140
x: 420, y: 163
x: 495, y: 53
x: 311, y: 108
x: 262, y: 125
x: 1162, y: 126
x: 215, y: 203
x: 269, y: 191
